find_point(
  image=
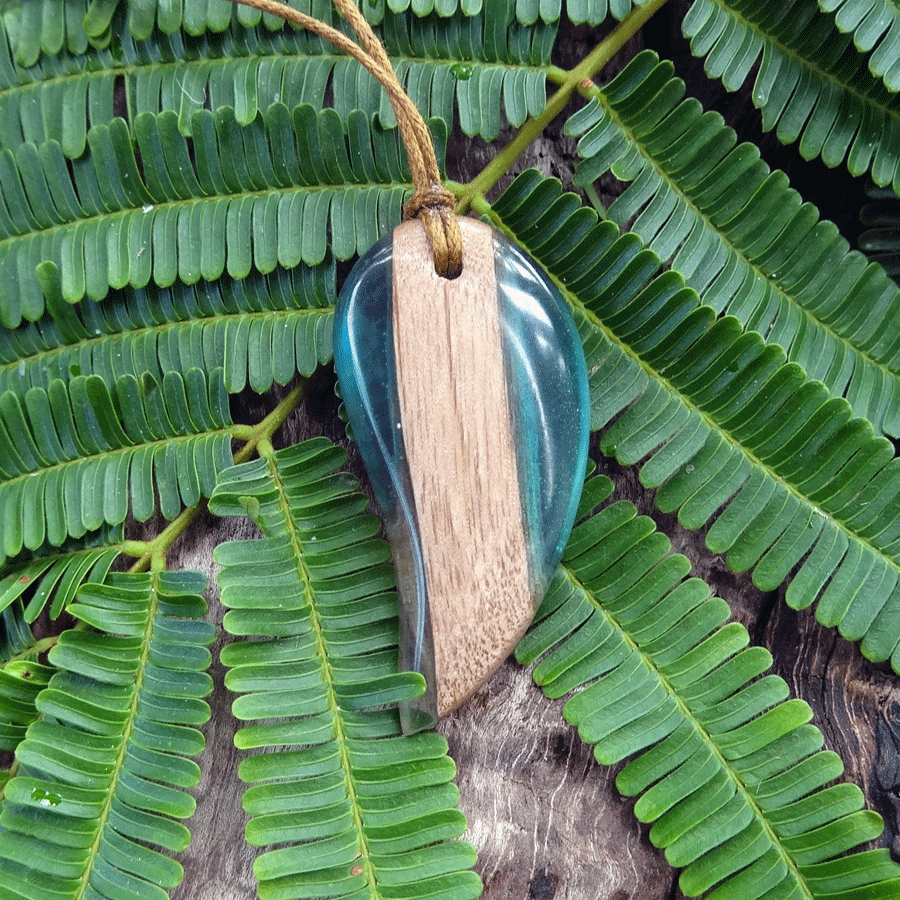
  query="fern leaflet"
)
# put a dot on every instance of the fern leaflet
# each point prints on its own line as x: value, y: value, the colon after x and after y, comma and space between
x: 876, y: 30
x: 727, y: 429
x: 102, y: 773
x: 190, y: 212
x: 85, y: 455
x: 742, y: 237
x: 812, y: 86
x: 264, y: 328
x: 476, y: 65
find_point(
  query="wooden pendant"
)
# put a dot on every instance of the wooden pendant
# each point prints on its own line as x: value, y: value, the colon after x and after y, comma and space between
x: 468, y: 399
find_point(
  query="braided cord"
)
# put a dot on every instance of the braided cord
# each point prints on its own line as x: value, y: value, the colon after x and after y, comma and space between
x: 431, y: 202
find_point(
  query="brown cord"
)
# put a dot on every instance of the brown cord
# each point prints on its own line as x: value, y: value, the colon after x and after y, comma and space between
x: 431, y: 202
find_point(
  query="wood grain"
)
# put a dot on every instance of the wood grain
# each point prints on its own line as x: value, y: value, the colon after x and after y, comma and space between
x: 459, y: 443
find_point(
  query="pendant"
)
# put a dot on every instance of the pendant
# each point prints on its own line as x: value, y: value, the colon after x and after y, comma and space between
x: 469, y: 401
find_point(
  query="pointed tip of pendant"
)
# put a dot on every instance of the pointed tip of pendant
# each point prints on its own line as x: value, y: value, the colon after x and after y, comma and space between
x: 415, y: 718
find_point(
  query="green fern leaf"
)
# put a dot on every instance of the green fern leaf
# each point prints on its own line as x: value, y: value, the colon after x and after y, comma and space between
x: 21, y: 681
x: 140, y: 18
x: 145, y: 15
x: 478, y: 65
x: 266, y: 329
x: 595, y: 12
x: 742, y: 237
x: 102, y: 774
x: 53, y: 575
x: 732, y: 779
x: 876, y: 30
x: 16, y: 637
x: 355, y: 808
x: 45, y: 27
x: 84, y: 455
x: 727, y: 429
x: 200, y: 213
x: 803, y: 86
x: 27, y: 588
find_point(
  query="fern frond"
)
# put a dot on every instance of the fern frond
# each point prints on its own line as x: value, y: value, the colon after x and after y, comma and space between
x: 21, y: 680
x: 140, y: 18
x: 727, y: 429
x: 477, y: 65
x: 27, y: 587
x: 192, y: 212
x: 43, y: 27
x: 812, y: 85
x: 22, y: 676
x: 16, y: 637
x: 144, y: 15
x: 78, y: 455
x: 263, y: 329
x: 527, y: 12
x: 596, y: 12
x: 742, y: 237
x: 733, y: 779
x: 53, y: 574
x: 876, y: 30
x: 102, y: 774
x: 352, y: 804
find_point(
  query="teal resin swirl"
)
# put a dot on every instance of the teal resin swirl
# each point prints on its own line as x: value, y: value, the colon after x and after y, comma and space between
x: 549, y: 409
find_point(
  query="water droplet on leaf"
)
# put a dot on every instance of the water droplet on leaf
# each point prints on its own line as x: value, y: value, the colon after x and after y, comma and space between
x: 45, y: 798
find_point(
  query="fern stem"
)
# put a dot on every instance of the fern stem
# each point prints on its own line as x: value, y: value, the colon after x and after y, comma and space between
x: 364, y: 860
x: 707, y: 736
x: 569, y: 81
x: 35, y: 650
x: 118, y: 765
x: 253, y: 435
x: 591, y: 193
x: 151, y: 550
x: 272, y: 422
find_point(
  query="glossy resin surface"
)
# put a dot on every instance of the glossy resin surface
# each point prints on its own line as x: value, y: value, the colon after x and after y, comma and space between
x: 545, y: 401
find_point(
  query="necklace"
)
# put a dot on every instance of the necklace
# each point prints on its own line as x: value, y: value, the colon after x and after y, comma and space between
x: 465, y: 385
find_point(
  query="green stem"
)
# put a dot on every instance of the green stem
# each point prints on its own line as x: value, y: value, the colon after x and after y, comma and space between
x: 568, y: 82
x: 148, y: 551
x: 36, y: 649
x: 272, y: 422
x: 592, y: 195
x: 151, y: 554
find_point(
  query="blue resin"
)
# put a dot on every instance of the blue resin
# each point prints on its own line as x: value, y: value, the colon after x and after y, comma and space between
x: 548, y: 393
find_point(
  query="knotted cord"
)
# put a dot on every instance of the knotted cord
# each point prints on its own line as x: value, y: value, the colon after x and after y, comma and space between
x: 431, y: 202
